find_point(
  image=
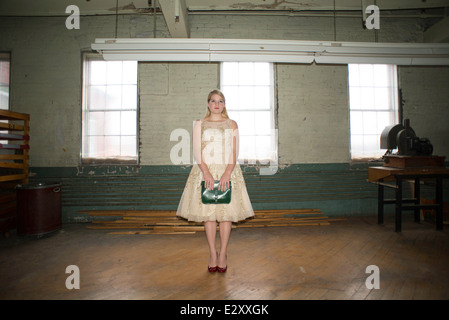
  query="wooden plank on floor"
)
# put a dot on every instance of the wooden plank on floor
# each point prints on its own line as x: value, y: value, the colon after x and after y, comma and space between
x: 143, y: 213
x: 136, y: 213
x: 150, y: 232
x: 153, y: 221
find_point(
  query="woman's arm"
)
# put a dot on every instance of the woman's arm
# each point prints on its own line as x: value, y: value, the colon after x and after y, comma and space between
x: 226, y: 177
x: 208, y: 178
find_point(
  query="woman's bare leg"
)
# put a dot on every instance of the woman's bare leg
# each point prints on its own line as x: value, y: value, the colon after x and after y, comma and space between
x: 225, y: 233
x: 210, y: 228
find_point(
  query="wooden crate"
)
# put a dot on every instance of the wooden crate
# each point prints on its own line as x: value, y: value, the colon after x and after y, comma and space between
x: 14, y: 163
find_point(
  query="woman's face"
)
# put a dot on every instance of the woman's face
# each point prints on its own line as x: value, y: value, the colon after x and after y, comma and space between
x: 216, y: 104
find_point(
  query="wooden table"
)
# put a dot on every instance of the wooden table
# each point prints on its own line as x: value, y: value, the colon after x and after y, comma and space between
x: 379, y: 176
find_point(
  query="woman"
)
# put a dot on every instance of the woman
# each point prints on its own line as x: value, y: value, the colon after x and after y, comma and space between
x: 215, y: 147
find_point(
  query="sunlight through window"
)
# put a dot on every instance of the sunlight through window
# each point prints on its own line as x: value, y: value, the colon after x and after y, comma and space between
x: 249, y: 91
x: 373, y: 98
x: 109, y: 110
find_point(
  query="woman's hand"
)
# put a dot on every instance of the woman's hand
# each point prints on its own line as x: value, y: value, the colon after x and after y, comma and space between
x: 224, y: 181
x: 208, y: 180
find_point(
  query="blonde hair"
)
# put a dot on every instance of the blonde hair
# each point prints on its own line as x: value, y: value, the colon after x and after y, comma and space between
x: 224, y: 113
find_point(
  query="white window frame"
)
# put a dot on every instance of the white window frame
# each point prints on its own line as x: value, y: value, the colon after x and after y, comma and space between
x: 252, y: 130
x: 5, y: 89
x: 373, y: 105
x: 87, y: 157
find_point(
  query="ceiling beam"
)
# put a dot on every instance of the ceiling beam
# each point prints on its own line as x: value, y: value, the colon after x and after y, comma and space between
x: 176, y: 17
x: 439, y: 32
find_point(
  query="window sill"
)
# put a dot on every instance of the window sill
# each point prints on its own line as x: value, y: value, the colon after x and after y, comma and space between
x: 109, y: 161
x: 365, y: 160
x: 364, y: 163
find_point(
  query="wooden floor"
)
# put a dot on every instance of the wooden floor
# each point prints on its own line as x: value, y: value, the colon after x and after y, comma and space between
x: 287, y: 263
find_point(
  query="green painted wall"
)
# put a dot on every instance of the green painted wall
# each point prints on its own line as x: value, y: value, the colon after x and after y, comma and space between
x: 335, y: 189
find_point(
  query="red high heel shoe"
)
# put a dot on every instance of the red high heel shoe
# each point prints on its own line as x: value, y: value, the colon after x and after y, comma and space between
x: 222, y: 270
x: 212, y: 269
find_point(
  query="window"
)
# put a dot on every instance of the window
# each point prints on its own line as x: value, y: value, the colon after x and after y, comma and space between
x: 4, y: 80
x: 249, y: 91
x: 109, y: 110
x: 373, y: 102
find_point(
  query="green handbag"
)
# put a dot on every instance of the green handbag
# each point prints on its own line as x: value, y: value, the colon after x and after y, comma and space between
x: 215, y: 196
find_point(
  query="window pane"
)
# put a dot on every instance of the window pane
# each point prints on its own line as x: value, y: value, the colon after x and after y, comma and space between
x: 370, y: 145
x: 382, y: 98
x: 246, y: 73
x: 230, y: 75
x: 369, y: 122
x: 128, y: 123
x: 114, y: 72
x: 373, y: 105
x: 247, y: 123
x: 129, y: 72
x: 265, y: 141
x: 262, y: 97
x: 381, y: 76
x: 366, y: 75
x: 382, y: 119
x: 353, y: 75
x: 112, y: 123
x: 96, y: 123
x: 356, y: 145
x: 262, y: 121
x: 98, y: 73
x: 355, y: 98
x: 114, y: 97
x: 232, y: 97
x: 235, y: 115
x: 129, y: 98
x: 262, y: 74
x: 112, y: 146
x: 95, y: 146
x: 4, y: 81
x: 356, y: 122
x: 110, y: 86
x: 366, y: 98
x: 249, y: 91
x: 128, y: 146
x: 4, y: 98
x: 96, y: 96
x: 247, y: 148
x: 246, y: 97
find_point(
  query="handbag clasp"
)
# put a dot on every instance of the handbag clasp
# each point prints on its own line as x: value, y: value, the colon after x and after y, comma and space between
x: 216, y: 195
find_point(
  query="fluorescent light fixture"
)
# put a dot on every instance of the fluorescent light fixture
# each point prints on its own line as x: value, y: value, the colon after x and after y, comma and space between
x: 385, y: 53
x: 282, y: 51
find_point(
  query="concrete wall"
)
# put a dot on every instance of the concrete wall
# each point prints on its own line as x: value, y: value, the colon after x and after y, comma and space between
x: 313, y: 114
x: 312, y: 105
x: 172, y: 96
x: 46, y: 79
x: 425, y: 98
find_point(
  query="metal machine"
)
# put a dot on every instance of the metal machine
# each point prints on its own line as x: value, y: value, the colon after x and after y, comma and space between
x: 403, y: 137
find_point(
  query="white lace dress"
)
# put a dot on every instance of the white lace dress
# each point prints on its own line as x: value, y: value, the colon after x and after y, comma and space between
x: 216, y: 141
